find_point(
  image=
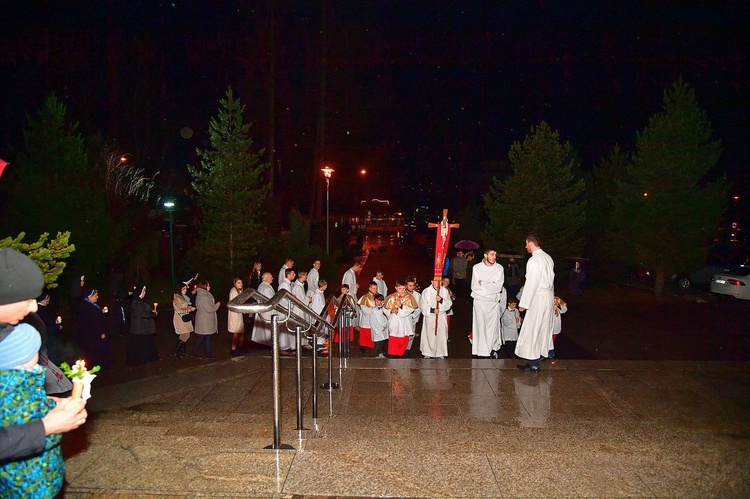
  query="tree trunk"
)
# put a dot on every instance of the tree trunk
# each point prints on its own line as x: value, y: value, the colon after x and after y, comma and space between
x: 659, y: 283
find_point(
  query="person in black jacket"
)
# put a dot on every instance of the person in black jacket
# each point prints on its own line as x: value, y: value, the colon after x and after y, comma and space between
x: 142, y: 335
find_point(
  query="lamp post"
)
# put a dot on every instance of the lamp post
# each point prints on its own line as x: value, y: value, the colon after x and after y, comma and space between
x: 327, y: 171
x: 169, y: 205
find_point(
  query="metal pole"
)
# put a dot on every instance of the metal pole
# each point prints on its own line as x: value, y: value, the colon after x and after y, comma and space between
x: 300, y: 423
x: 276, y: 377
x: 328, y: 219
x: 315, y: 379
x: 171, y: 243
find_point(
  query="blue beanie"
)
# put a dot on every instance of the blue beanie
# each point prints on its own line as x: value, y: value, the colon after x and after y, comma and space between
x: 19, y: 346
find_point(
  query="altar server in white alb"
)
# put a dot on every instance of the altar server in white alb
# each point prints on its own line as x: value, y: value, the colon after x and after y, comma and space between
x: 487, y: 280
x: 350, y: 279
x: 538, y: 299
x: 262, y: 328
x: 435, y: 302
x: 287, y: 340
x: 312, y: 279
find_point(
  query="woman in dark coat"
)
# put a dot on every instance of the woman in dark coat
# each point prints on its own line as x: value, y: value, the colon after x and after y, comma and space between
x: 142, y: 336
x: 92, y: 334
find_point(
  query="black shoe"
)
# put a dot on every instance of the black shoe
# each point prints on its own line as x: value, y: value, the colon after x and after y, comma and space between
x: 528, y: 368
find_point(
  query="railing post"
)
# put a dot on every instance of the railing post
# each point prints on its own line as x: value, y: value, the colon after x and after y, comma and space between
x: 300, y: 424
x: 276, y: 382
x: 315, y: 379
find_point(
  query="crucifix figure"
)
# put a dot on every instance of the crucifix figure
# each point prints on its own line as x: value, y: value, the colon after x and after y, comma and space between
x: 441, y: 251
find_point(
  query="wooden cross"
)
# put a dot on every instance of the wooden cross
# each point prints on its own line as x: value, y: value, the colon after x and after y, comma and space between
x: 442, y: 238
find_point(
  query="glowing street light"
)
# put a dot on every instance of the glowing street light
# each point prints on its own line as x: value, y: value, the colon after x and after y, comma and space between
x: 327, y: 172
x: 169, y: 206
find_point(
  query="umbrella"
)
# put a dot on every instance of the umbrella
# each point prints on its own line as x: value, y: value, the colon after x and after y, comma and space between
x: 579, y: 259
x: 3, y: 164
x: 509, y: 254
x: 465, y: 244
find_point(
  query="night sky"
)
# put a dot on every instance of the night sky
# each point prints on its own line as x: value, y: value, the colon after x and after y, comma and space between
x: 419, y: 94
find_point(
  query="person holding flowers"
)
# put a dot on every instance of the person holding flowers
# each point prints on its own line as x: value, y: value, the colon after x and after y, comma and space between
x: 31, y: 463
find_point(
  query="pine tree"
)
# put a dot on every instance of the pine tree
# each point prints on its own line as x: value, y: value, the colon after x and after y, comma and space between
x: 54, y: 190
x: 49, y: 256
x: 229, y: 189
x: 667, y: 209
x: 540, y: 196
x: 601, y: 188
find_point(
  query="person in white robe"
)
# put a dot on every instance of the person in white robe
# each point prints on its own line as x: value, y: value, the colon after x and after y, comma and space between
x: 262, y: 328
x: 366, y: 304
x: 298, y: 290
x: 401, y: 305
x: 379, y: 326
x: 538, y: 299
x: 487, y: 278
x: 510, y: 324
x: 313, y: 277
x: 318, y: 303
x: 435, y: 302
x: 380, y: 281
x: 411, y: 288
x: 350, y: 279
x: 288, y: 264
x: 287, y: 343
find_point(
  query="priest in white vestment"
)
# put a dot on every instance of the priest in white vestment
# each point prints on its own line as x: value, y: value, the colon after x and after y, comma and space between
x: 538, y: 299
x: 262, y: 328
x: 487, y: 280
x: 350, y: 278
x: 435, y: 302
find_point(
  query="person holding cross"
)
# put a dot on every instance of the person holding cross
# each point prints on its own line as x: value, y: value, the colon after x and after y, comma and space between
x: 435, y: 302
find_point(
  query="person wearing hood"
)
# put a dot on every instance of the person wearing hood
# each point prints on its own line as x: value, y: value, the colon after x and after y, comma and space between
x: 92, y: 334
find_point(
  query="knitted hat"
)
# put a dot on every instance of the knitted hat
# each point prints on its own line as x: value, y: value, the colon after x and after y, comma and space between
x: 20, y: 277
x: 19, y: 346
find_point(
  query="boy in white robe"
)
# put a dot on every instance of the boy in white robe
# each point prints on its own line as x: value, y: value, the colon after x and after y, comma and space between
x: 401, y: 305
x: 366, y: 304
x: 379, y: 326
x: 487, y: 289
x: 435, y: 302
x: 411, y: 288
x: 511, y: 323
x: 287, y: 343
x: 313, y: 277
x: 382, y: 286
x: 318, y: 303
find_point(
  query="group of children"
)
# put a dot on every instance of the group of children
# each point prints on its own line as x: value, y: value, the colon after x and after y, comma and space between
x: 510, y: 325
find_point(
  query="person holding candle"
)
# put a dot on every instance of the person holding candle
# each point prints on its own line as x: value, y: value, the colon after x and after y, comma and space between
x: 32, y: 423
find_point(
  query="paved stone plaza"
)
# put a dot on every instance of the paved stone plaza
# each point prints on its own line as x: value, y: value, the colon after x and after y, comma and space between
x: 422, y: 428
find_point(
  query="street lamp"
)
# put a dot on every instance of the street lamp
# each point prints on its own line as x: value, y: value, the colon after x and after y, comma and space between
x: 169, y: 205
x: 327, y: 171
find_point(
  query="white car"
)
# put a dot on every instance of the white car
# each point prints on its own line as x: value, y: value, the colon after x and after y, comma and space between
x: 735, y: 282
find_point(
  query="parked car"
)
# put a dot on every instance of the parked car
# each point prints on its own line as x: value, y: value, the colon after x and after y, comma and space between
x: 735, y: 282
x: 699, y: 276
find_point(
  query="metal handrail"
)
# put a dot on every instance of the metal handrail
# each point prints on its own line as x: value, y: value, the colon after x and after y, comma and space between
x: 264, y: 304
x: 277, y: 303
